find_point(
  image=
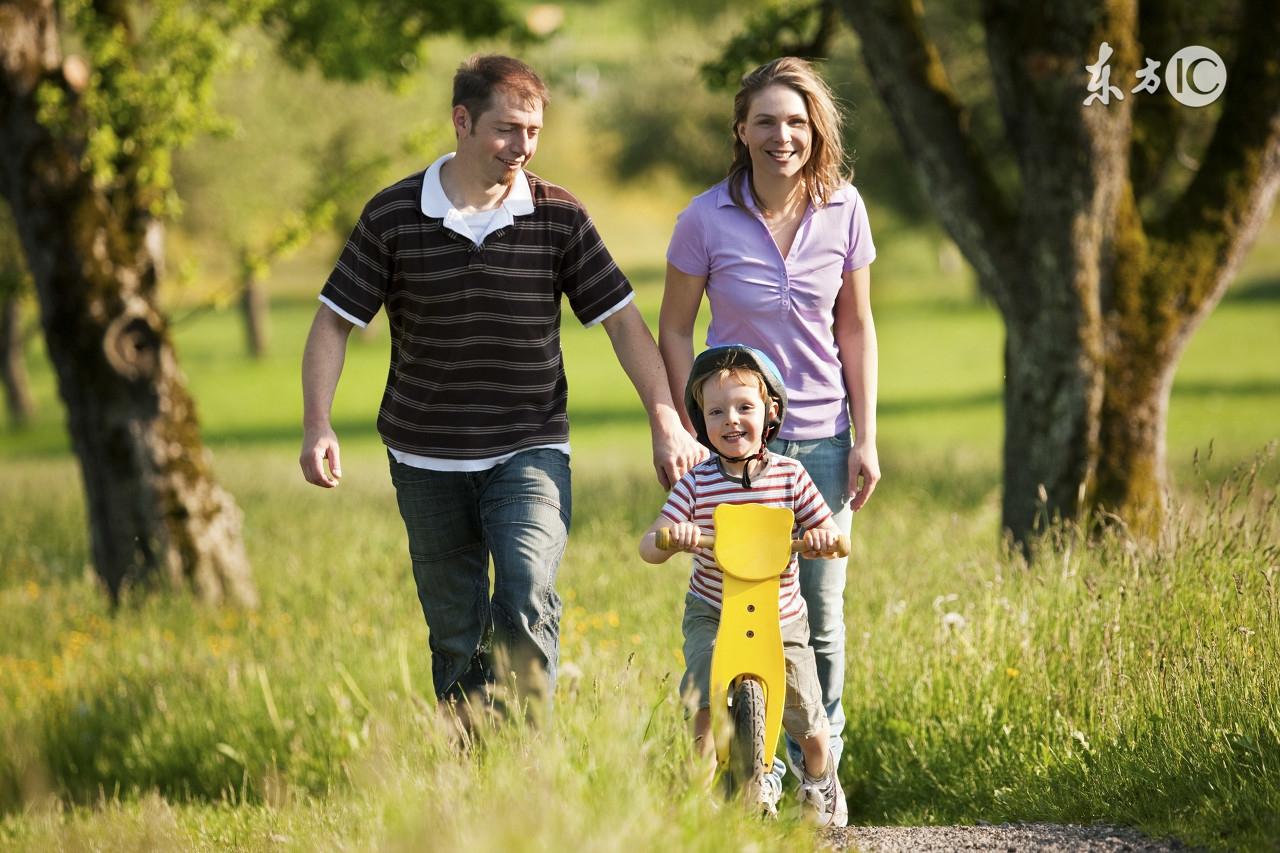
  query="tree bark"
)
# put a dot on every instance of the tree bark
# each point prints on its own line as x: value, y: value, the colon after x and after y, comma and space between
x: 1171, y: 270
x: 13, y: 370
x: 156, y: 515
x: 255, y: 310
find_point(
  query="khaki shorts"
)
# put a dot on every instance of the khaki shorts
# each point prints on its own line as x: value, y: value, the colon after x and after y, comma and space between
x: 802, y: 716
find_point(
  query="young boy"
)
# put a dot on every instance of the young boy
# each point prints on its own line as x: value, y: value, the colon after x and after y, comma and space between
x: 736, y: 401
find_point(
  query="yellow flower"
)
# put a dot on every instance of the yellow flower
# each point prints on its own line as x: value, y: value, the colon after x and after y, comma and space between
x: 1011, y: 672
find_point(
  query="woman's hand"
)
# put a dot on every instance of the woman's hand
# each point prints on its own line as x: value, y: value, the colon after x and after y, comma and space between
x: 864, y: 474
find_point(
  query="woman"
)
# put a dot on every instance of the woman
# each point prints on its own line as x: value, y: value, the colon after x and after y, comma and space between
x: 782, y: 249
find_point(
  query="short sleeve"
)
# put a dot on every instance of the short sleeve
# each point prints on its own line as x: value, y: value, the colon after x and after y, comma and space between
x: 682, y: 500
x: 862, y: 251
x: 588, y: 275
x: 357, y: 287
x: 687, y: 250
x: 808, y: 505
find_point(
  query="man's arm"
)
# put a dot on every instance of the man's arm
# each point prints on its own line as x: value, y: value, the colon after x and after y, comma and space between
x: 321, y: 366
x: 681, y: 298
x: 674, y: 449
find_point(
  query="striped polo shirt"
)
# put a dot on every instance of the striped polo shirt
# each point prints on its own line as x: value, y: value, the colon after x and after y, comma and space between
x: 784, y: 483
x: 476, y: 371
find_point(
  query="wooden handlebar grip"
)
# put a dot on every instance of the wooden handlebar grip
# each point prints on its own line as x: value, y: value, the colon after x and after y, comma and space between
x: 662, y: 538
x: 841, y: 549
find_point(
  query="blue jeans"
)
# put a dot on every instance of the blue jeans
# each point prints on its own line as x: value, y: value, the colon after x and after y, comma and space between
x: 518, y: 513
x: 822, y: 581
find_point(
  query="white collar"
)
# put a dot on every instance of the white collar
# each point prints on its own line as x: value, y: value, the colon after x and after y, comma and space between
x: 519, y: 200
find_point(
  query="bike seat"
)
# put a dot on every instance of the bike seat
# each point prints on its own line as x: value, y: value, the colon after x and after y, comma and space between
x: 753, y: 542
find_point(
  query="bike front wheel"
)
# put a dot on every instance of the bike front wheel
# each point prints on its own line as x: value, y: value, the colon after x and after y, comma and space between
x: 746, y: 746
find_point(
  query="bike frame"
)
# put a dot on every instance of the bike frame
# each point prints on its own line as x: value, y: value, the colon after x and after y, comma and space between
x: 753, y: 549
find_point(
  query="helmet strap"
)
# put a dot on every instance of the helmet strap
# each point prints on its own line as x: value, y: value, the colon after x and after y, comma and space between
x: 758, y: 456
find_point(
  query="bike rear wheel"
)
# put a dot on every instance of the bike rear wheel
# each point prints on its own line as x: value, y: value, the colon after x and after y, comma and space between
x: 746, y: 746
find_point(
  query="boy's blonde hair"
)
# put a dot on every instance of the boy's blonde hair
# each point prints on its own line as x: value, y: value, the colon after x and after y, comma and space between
x: 745, y: 376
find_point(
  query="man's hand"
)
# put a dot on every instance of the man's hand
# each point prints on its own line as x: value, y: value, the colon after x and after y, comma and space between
x: 320, y: 461
x: 864, y: 473
x: 674, y: 453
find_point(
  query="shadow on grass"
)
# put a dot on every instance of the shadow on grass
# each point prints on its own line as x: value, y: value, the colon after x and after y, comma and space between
x: 47, y: 442
x: 1255, y: 290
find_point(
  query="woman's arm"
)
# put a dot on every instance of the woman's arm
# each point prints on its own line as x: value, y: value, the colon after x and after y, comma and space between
x: 681, y: 298
x: 855, y: 332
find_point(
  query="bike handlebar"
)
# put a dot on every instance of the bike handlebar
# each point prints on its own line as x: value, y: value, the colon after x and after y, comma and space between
x: 662, y: 538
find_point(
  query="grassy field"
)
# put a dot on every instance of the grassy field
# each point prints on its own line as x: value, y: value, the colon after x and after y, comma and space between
x: 1108, y: 683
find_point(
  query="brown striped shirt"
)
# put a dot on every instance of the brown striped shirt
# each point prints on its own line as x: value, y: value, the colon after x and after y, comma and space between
x: 476, y: 369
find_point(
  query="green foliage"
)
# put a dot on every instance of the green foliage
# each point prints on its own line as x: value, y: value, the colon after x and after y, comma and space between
x: 776, y: 28
x: 149, y: 91
x: 689, y: 134
x: 679, y: 120
x: 357, y: 41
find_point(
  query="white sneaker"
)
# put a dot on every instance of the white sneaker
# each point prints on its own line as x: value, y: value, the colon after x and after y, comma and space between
x: 822, y: 800
x: 770, y: 792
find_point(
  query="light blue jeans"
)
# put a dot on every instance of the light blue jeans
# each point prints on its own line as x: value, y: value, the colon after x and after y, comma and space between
x: 518, y: 513
x: 822, y: 581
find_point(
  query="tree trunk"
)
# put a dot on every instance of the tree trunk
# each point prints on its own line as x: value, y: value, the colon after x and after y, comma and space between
x: 255, y: 309
x: 155, y: 512
x: 13, y: 370
x: 1098, y: 303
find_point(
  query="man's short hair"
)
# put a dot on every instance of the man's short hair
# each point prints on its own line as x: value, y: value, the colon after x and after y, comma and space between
x: 482, y: 74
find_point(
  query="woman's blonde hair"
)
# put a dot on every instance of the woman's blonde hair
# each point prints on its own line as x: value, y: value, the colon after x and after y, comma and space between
x: 824, y: 172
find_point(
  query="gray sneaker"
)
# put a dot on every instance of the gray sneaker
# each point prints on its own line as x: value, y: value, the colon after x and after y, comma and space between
x: 822, y: 800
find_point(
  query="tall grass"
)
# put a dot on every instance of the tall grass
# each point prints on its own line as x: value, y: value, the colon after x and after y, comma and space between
x: 1103, y: 682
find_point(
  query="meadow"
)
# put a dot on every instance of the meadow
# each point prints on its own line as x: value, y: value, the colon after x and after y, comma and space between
x: 1106, y: 681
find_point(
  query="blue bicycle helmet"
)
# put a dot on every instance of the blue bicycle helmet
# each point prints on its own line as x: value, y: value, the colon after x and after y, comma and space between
x: 723, y: 358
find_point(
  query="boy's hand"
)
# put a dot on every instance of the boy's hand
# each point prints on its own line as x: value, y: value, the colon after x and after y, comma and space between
x: 685, y: 536
x: 820, y: 542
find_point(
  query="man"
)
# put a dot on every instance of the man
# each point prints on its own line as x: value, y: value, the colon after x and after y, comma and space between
x: 469, y: 259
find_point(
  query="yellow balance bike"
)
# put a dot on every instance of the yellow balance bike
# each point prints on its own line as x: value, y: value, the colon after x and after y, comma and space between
x: 753, y: 547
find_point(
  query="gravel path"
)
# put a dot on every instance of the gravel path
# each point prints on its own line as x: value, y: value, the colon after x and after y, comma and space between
x: 1002, y: 837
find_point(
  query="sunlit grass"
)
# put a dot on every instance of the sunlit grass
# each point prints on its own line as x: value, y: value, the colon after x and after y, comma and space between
x: 1101, y: 683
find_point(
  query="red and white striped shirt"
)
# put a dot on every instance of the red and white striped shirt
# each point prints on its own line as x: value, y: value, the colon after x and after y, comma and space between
x: 783, y: 483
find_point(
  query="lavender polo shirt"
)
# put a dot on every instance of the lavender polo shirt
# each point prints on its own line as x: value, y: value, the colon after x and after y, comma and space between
x: 783, y: 306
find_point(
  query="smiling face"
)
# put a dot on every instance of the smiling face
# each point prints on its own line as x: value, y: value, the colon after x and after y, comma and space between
x: 499, y: 142
x: 735, y: 412
x: 777, y: 132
